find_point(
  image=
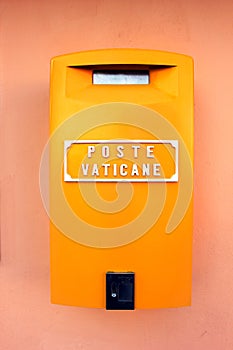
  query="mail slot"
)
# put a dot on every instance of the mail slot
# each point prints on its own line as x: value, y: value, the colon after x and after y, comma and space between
x: 121, y: 171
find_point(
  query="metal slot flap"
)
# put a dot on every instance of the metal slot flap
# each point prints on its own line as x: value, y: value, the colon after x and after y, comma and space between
x: 121, y: 77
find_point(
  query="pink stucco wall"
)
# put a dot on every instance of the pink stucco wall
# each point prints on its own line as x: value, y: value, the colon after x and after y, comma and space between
x: 31, y: 33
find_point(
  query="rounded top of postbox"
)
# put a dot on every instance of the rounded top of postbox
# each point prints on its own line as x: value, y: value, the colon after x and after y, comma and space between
x: 123, y: 56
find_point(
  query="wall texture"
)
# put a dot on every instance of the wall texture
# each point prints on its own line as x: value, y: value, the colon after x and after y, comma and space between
x: 31, y: 33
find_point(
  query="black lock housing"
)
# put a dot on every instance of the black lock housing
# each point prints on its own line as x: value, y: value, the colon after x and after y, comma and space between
x: 120, y: 290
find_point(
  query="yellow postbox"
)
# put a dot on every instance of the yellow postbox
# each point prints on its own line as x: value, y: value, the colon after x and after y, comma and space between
x: 121, y: 156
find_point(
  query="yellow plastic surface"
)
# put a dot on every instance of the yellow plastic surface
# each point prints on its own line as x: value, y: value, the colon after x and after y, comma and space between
x: 161, y: 261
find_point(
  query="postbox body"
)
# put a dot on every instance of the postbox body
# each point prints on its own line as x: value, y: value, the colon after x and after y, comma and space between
x: 121, y: 158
